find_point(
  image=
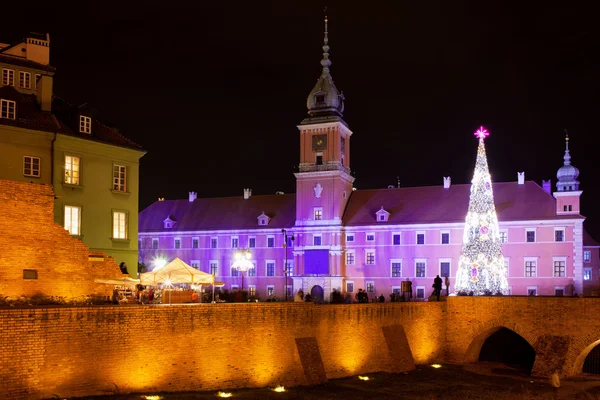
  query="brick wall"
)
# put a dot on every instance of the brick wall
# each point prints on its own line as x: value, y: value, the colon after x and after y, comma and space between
x: 78, y: 351
x: 30, y: 239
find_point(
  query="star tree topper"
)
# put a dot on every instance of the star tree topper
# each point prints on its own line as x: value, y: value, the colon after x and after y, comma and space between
x: 482, y: 133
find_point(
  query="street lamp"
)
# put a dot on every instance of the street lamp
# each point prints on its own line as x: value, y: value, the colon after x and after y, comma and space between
x: 242, y: 262
x: 286, y: 268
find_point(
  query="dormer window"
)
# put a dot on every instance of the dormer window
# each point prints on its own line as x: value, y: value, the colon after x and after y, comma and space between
x: 85, y: 124
x: 8, y: 109
x: 263, y: 219
x: 382, y: 215
x: 320, y: 98
x: 169, y: 222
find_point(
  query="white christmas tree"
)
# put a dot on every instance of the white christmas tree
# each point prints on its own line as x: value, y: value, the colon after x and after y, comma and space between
x: 481, y: 268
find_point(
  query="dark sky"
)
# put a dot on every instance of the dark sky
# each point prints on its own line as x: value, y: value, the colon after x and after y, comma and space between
x: 214, y: 90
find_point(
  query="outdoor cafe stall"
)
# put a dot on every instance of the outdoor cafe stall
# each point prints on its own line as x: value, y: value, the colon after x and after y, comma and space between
x: 176, y: 272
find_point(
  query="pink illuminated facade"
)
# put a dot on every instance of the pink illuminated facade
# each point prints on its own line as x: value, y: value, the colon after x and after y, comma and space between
x: 346, y: 239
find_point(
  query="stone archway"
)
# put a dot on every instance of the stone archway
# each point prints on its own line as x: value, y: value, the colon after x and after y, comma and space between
x: 482, y: 332
x: 318, y: 294
x: 581, y: 348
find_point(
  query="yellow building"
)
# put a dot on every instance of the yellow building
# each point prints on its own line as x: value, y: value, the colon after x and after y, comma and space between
x: 43, y: 139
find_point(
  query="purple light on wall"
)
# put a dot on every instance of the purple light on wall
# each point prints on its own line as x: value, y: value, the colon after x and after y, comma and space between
x: 316, y: 262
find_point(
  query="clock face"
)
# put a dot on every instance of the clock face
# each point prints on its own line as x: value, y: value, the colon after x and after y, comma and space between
x: 319, y: 142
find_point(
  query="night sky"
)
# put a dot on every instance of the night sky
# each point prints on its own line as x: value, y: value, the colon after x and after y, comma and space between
x: 213, y: 91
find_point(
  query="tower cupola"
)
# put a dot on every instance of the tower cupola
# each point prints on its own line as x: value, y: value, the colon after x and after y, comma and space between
x: 567, y: 174
x: 324, y: 99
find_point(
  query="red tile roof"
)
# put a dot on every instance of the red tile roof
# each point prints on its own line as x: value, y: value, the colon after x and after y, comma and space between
x: 221, y: 213
x: 588, y: 240
x: 64, y: 119
x: 415, y: 205
x: 434, y: 204
x: 22, y: 62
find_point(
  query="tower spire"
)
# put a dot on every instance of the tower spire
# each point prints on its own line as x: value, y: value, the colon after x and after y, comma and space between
x: 567, y: 156
x: 325, y: 62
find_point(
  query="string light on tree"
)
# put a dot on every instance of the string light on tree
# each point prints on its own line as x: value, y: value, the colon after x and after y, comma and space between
x: 481, y: 268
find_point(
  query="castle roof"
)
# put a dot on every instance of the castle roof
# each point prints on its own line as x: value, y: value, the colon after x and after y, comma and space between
x: 221, y: 213
x: 411, y: 205
x: 434, y: 204
x: 23, y: 62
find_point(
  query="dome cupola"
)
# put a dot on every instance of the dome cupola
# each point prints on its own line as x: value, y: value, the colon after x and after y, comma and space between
x: 325, y: 99
x: 567, y: 174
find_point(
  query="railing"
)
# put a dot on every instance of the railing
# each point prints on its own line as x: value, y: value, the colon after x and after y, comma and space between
x: 324, y: 167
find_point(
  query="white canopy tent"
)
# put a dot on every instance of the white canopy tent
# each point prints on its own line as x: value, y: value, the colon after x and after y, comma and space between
x: 177, y: 271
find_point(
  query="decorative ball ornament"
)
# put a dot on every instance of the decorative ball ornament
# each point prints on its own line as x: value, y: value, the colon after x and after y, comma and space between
x: 481, y: 133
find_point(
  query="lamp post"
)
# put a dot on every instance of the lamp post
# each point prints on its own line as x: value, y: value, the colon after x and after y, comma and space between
x: 286, y: 268
x: 242, y: 262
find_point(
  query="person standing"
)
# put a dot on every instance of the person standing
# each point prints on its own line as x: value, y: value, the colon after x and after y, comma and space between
x: 447, y: 282
x: 437, y: 285
x: 381, y: 298
x: 555, y: 381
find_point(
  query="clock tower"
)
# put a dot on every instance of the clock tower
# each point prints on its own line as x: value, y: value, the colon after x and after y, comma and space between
x: 324, y: 183
x: 323, y: 187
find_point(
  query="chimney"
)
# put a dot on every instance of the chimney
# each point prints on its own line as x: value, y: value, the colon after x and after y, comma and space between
x: 43, y: 93
x: 547, y: 186
x: 247, y: 193
x: 193, y: 196
x: 446, y: 182
x: 521, y: 177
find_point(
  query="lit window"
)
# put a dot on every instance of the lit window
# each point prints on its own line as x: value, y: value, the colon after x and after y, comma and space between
x: 195, y: 243
x: 252, y: 242
x: 350, y: 286
x: 370, y: 287
x: 318, y: 213
x: 213, y: 243
x: 8, y: 77
x: 251, y: 290
x: 290, y: 268
x: 530, y: 236
x: 559, y: 269
x: 420, y: 269
x: 72, y: 170
x: 31, y: 166
x: 270, y: 241
x: 530, y: 269
x: 559, y: 235
x: 587, y: 256
x: 120, y: 225
x: 445, y: 237
x: 587, y: 274
x: 396, y: 239
x: 177, y: 243
x: 420, y: 238
x: 370, y: 257
x: 85, y: 124
x: 119, y: 177
x: 396, y: 270
x: 25, y: 80
x: 73, y: 220
x: 8, y: 109
x: 317, y: 240
x: 503, y: 236
x: 270, y: 268
x: 349, y: 258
